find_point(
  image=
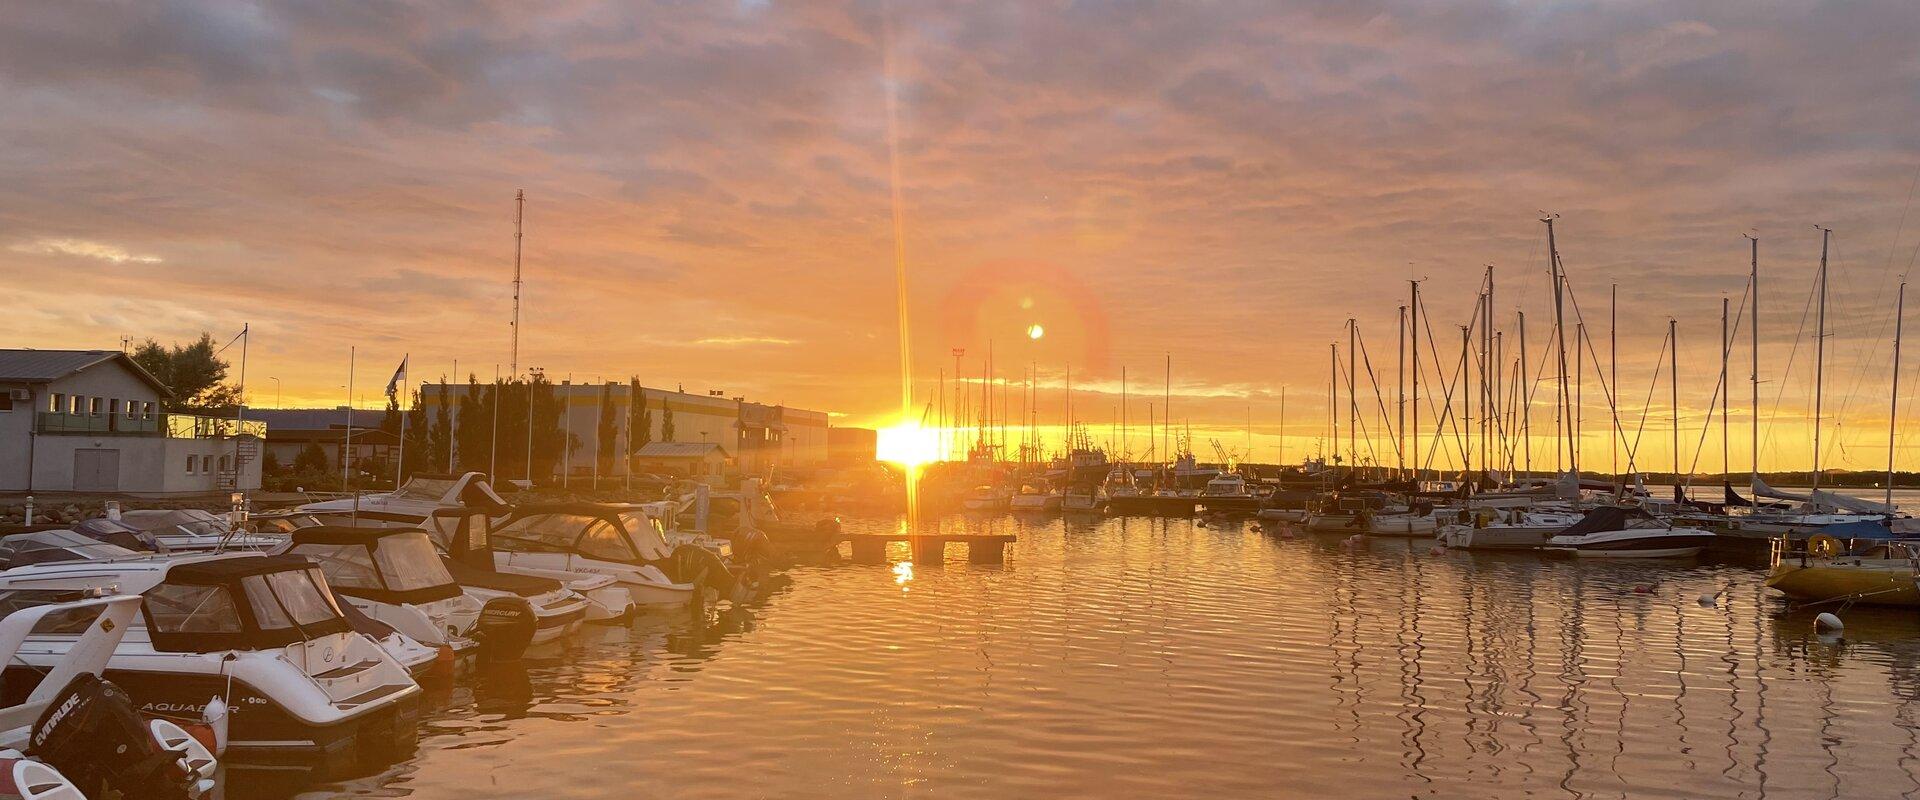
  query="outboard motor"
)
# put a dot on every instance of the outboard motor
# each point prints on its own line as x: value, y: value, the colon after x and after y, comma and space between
x: 506, y: 628
x: 93, y: 735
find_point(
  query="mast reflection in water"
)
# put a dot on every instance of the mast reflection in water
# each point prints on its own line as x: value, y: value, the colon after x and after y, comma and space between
x: 1161, y: 658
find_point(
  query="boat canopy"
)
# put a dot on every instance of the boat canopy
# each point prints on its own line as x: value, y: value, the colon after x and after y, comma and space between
x: 252, y: 602
x: 1865, y: 529
x: 1606, y: 518
x: 384, y: 565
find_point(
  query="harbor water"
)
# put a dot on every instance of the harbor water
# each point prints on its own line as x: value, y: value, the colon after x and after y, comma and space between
x: 1113, y: 657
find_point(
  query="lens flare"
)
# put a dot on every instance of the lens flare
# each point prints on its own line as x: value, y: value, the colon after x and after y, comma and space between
x: 907, y: 444
x: 1035, y: 331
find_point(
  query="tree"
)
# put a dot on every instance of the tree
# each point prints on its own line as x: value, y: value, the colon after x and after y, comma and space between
x: 606, y: 431
x: 310, y: 459
x: 420, y: 455
x: 666, y: 424
x: 194, y: 373
x: 639, y: 418
x: 440, y: 432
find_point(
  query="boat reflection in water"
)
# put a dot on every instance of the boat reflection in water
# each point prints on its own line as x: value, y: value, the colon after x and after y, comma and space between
x: 1158, y: 657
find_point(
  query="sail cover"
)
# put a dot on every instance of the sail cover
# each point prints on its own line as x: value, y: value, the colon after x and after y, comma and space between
x: 1761, y: 489
x: 1825, y: 499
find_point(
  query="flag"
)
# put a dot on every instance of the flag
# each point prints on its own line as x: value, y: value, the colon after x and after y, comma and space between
x: 399, y: 377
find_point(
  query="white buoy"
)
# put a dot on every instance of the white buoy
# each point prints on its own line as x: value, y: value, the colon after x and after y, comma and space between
x: 1827, y: 622
x: 1709, y: 599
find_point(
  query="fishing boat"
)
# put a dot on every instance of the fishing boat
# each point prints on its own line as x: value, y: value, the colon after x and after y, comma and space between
x: 258, y: 633
x: 1628, y: 532
x: 66, y: 727
x: 1858, y: 563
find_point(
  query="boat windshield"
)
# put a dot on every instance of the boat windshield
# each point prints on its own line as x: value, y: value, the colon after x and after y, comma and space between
x: 647, y: 534
x: 424, y: 489
x: 46, y: 547
x: 408, y: 562
x: 542, y: 533
x: 289, y: 599
x: 186, y: 608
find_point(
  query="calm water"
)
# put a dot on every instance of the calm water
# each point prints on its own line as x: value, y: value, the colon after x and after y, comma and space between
x: 1165, y: 659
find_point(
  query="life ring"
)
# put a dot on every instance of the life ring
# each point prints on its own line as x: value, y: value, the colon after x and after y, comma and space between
x: 1821, y: 545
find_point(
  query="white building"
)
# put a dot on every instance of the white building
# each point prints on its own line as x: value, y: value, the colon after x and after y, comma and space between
x: 91, y: 421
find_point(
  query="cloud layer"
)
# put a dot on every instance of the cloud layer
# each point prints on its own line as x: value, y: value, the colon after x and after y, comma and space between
x: 709, y: 190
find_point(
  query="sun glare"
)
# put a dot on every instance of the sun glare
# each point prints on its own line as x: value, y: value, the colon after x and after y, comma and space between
x: 908, y: 445
x: 1035, y: 331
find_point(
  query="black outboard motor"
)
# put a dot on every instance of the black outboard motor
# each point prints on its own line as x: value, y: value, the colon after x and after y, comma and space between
x: 93, y: 735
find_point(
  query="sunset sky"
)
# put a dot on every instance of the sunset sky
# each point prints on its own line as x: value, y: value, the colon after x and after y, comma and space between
x: 709, y: 196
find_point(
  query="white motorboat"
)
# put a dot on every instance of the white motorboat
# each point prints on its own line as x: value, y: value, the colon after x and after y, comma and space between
x: 985, y: 498
x: 190, y: 530
x: 1516, y: 530
x: 395, y: 575
x: 1083, y: 499
x: 419, y: 497
x: 584, y: 537
x: 1228, y: 492
x: 71, y: 729
x: 1421, y: 526
x: 1621, y: 532
x: 1034, y: 500
x: 259, y: 634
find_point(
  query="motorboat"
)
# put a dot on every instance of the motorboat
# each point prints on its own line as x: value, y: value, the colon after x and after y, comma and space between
x: 1083, y: 499
x: 395, y: 575
x: 1405, y: 526
x: 985, y: 498
x: 418, y: 497
x: 1516, y: 530
x: 585, y: 537
x: 1859, y: 563
x: 67, y: 727
x: 260, y: 634
x: 1120, y: 483
x: 1286, y: 505
x: 1628, y: 532
x: 749, y: 520
x: 1228, y: 492
x: 1034, y: 500
x: 191, y: 530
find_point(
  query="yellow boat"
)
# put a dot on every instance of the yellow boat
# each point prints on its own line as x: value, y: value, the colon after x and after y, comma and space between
x: 1883, y: 574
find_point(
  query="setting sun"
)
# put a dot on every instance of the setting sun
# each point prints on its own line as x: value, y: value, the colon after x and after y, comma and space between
x: 1035, y: 332
x: 907, y: 444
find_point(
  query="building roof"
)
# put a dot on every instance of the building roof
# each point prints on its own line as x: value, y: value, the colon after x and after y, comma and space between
x: 315, y: 419
x: 366, y: 436
x: 44, y: 366
x: 679, y: 450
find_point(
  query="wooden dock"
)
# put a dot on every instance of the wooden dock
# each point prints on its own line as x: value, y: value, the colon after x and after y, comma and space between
x: 931, y: 548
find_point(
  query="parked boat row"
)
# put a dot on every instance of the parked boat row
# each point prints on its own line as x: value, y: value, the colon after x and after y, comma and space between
x: 299, y: 639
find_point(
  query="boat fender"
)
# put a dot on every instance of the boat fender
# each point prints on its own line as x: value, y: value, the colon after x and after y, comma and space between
x: 1709, y: 600
x: 27, y: 779
x: 1827, y: 621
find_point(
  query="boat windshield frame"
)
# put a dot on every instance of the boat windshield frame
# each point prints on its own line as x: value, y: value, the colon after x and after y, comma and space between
x: 283, y: 589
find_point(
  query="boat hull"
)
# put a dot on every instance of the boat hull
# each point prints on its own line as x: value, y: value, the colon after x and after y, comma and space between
x: 1637, y: 543
x: 1150, y: 505
x: 1461, y: 537
x: 1889, y: 583
x: 1402, y: 527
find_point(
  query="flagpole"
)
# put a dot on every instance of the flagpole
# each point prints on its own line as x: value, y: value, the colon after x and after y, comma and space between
x: 240, y: 406
x: 346, y: 456
x: 453, y: 420
x: 396, y: 389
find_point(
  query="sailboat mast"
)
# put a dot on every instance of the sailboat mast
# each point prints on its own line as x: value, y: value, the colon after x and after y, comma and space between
x: 1613, y: 378
x: 1466, y: 403
x: 1893, y: 411
x: 1166, y: 409
x: 1526, y: 402
x: 1753, y: 280
x: 1283, y: 425
x: 1560, y: 330
x: 1333, y: 394
x: 1413, y: 326
x: 1579, y: 385
x: 1820, y: 358
x: 1124, y: 444
x: 1353, y: 397
x: 1400, y: 420
x: 1726, y: 349
x: 1673, y: 372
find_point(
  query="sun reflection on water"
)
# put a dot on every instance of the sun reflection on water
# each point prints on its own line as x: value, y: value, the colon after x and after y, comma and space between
x: 903, y: 575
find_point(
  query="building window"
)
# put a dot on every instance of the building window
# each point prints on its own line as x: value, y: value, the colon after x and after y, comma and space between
x: 190, y: 465
x: 223, y: 463
x: 206, y: 464
x: 56, y: 402
x: 77, y: 405
x: 6, y: 400
x: 93, y: 406
x: 113, y: 407
x: 146, y: 410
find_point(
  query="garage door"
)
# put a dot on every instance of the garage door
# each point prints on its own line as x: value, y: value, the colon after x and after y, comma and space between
x: 96, y: 470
